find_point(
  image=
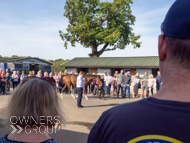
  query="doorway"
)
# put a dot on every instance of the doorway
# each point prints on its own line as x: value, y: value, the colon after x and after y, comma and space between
x: 34, y: 67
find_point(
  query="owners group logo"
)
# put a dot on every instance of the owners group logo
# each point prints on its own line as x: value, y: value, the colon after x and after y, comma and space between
x: 38, y: 126
x: 154, y: 139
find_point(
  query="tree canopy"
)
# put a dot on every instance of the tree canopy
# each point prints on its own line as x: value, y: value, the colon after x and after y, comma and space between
x: 93, y: 23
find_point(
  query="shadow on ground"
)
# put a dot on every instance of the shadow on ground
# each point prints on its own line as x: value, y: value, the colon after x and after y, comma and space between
x: 102, y: 105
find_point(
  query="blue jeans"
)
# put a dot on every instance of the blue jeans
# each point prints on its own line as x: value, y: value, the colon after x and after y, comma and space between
x: 124, y: 91
x: 158, y: 86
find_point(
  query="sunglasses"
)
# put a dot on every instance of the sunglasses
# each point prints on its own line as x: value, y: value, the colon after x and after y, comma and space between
x: 47, y: 79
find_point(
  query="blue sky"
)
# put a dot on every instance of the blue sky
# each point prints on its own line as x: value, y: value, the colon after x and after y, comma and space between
x: 30, y: 28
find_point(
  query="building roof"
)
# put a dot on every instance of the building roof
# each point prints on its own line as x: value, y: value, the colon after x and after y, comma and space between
x: 113, y: 62
x: 5, y: 60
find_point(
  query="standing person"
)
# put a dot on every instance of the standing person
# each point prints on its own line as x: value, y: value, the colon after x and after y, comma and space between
x: 80, y: 86
x: 7, y: 71
x: 115, y: 83
x: 59, y: 75
x: 96, y: 89
x: 18, y: 74
x: 39, y: 74
x: 126, y: 84
x: 136, y: 86
x: 45, y: 74
x: 33, y: 73
x: 164, y: 117
x: 22, y: 76
x: 120, y: 78
x: 7, y: 86
x: 55, y: 77
x: 144, y: 85
x: 151, y: 83
x: 109, y: 83
x: 105, y: 76
x: 0, y: 76
x: 14, y: 79
x: 1, y: 71
x: 3, y: 82
x: 158, y: 81
x: 102, y: 92
x: 30, y: 74
x: 51, y: 76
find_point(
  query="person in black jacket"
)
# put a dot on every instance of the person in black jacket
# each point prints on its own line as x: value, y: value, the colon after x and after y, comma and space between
x: 126, y: 83
x: 102, y: 92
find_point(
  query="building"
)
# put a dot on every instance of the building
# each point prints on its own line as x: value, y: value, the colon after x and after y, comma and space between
x: 25, y: 64
x: 112, y: 64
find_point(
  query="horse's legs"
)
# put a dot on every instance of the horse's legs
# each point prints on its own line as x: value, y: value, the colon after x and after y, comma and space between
x: 72, y: 91
x: 62, y: 91
x: 85, y: 92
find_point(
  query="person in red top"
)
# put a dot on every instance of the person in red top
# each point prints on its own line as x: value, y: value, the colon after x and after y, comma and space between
x: 96, y: 89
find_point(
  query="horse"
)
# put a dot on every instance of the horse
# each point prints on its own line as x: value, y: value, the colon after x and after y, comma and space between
x: 70, y: 80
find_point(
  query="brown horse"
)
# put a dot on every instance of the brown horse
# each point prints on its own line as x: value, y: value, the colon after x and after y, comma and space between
x: 71, y: 80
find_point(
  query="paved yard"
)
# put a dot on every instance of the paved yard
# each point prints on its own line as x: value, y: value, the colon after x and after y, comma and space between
x: 80, y: 121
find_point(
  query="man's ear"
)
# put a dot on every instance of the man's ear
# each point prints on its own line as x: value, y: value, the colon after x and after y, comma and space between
x: 162, y: 51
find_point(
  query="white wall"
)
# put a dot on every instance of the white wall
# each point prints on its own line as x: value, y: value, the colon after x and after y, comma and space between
x: 101, y: 71
x: 71, y: 69
x: 142, y: 71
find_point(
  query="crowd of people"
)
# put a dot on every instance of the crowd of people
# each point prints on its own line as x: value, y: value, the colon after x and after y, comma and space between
x: 121, y: 84
x: 6, y: 78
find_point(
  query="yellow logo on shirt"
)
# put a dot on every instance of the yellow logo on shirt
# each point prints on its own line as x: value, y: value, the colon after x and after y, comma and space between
x: 154, y: 139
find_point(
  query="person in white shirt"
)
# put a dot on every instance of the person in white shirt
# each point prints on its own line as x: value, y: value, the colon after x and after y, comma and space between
x: 108, y: 83
x: 105, y: 76
x: 22, y: 76
x: 80, y: 86
x: 151, y: 81
x: 15, y: 79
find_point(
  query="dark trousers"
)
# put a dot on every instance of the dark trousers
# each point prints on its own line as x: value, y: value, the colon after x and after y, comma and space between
x: 118, y: 89
x: 102, y: 92
x: 92, y: 88
x: 108, y: 89
x: 80, y: 92
x: 158, y: 86
x: 7, y: 86
x: 151, y: 91
x: 3, y: 88
x: 15, y: 83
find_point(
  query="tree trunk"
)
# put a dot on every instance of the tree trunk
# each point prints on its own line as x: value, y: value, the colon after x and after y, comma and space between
x: 95, y: 53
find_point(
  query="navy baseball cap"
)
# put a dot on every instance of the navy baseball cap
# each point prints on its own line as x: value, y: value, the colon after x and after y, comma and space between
x: 177, y: 21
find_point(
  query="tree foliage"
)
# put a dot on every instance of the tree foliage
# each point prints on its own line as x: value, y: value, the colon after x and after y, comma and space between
x: 93, y: 23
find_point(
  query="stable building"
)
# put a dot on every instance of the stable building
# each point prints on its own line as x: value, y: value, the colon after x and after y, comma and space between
x: 112, y: 64
x: 25, y: 64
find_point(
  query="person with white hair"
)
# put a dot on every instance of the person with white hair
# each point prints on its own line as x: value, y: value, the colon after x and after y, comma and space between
x: 136, y: 81
x: 14, y: 79
x: 151, y: 82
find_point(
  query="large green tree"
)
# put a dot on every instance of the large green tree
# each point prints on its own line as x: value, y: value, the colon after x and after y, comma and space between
x: 106, y: 24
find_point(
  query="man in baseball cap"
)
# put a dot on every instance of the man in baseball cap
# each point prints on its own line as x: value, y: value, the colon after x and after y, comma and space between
x: 163, y: 118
